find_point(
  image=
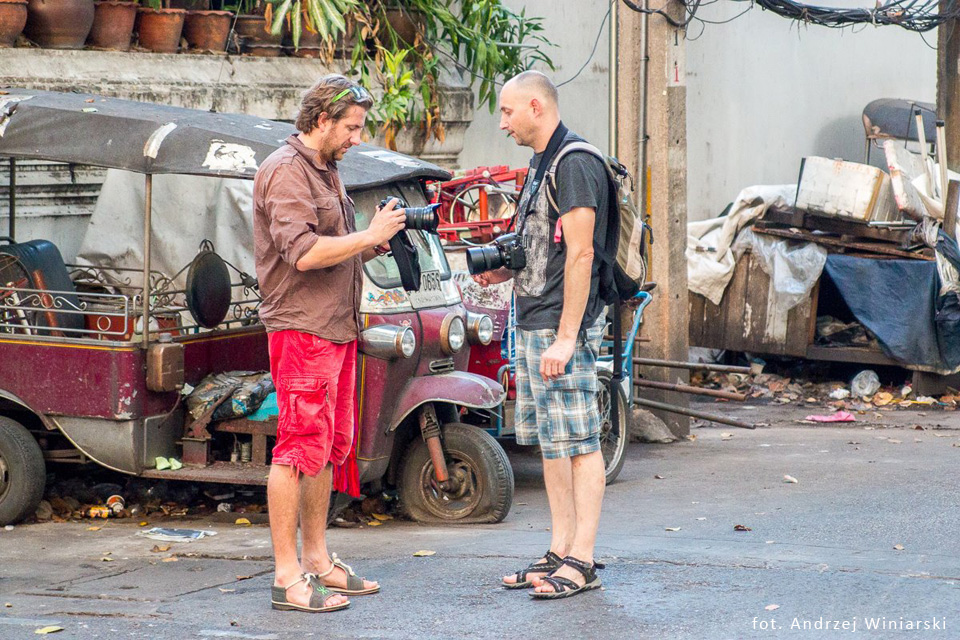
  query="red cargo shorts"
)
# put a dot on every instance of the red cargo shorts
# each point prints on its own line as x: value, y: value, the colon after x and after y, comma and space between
x: 315, y: 381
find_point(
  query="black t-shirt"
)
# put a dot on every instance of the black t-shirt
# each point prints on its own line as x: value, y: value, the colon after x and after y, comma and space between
x: 582, y: 181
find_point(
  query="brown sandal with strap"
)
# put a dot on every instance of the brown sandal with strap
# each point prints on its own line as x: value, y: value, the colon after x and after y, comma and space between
x: 318, y: 596
x: 545, y: 565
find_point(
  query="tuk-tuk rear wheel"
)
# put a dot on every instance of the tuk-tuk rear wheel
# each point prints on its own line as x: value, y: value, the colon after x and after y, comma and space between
x: 22, y: 472
x: 482, y: 490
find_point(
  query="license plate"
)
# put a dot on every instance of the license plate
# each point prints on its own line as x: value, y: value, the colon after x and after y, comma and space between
x: 430, y: 281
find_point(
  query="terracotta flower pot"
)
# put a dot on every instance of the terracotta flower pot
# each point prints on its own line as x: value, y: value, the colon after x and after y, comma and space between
x: 254, y: 39
x: 13, y: 16
x: 113, y: 25
x: 59, y: 24
x: 207, y: 30
x: 159, y: 29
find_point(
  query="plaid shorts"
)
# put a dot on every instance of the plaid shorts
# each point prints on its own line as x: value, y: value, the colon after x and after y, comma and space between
x: 560, y: 415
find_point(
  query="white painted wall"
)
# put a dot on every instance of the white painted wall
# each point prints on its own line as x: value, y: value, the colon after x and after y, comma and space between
x: 763, y: 93
x: 571, y: 25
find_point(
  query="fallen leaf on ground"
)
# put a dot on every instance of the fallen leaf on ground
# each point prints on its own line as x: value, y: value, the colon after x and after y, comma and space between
x: 772, y: 607
x: 374, y: 523
x: 144, y: 523
x: 894, y: 441
x: 106, y: 559
x: 658, y: 477
x: 692, y: 437
x: 741, y: 527
x: 898, y: 547
x: 244, y: 577
x: 701, y: 518
x: 943, y: 435
x: 222, y: 590
x: 93, y: 528
x: 242, y: 522
x: 726, y: 436
x: 790, y: 480
x: 382, y: 517
x: 7, y: 605
x: 158, y: 549
x: 423, y: 553
x: 672, y: 529
x: 171, y: 559
x: 45, y: 630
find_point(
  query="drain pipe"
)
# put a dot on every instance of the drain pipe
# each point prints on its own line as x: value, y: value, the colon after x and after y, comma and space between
x: 613, y: 77
x: 642, y: 194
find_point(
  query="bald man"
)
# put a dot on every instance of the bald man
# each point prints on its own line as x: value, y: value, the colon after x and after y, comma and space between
x: 560, y: 323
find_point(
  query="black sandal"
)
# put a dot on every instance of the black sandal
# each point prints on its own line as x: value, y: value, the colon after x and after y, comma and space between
x: 564, y: 587
x: 550, y: 562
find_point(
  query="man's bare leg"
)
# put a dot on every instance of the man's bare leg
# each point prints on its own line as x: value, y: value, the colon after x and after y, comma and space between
x: 283, y: 503
x: 315, y: 504
x: 589, y: 482
x: 558, y: 478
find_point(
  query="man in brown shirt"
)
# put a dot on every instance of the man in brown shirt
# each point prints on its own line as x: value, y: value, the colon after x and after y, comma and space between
x: 309, y: 257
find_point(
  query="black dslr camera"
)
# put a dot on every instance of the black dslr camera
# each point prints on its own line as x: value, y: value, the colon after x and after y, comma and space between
x: 418, y: 218
x: 505, y: 251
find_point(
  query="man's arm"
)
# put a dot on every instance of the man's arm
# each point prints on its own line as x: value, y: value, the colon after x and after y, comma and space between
x: 330, y: 250
x: 578, y: 226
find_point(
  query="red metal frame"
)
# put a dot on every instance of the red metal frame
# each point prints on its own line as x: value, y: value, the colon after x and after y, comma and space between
x: 454, y: 226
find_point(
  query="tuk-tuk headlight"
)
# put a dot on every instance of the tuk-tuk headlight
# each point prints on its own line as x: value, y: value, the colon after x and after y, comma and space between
x: 453, y: 333
x: 388, y: 342
x: 479, y: 328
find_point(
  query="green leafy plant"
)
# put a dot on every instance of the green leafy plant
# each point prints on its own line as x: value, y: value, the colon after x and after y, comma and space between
x: 328, y: 18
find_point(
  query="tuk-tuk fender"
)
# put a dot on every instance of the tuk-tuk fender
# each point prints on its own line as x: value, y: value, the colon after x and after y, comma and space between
x: 458, y: 387
x: 13, y: 399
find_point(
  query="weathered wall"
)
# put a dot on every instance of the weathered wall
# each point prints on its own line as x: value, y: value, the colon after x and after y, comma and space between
x: 763, y: 93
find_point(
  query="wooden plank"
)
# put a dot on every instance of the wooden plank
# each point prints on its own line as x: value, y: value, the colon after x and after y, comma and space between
x: 950, y: 211
x: 812, y: 222
x: 805, y: 236
x: 860, y: 355
x: 696, y: 303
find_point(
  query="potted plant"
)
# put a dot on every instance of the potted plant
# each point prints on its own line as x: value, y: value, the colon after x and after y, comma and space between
x: 312, y: 24
x: 159, y: 27
x: 59, y: 24
x: 13, y: 17
x: 251, y: 30
x: 113, y: 24
x: 206, y: 30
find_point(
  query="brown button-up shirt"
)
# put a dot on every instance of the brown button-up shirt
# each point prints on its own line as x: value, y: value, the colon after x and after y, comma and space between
x: 296, y: 198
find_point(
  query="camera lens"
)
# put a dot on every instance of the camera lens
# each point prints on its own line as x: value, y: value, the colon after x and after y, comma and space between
x: 480, y: 259
x: 423, y: 218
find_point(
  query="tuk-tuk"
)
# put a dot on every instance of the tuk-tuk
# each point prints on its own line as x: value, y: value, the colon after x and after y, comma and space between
x: 97, y: 355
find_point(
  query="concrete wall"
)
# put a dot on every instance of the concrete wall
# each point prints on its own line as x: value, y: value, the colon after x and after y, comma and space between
x: 763, y: 93
x: 571, y: 25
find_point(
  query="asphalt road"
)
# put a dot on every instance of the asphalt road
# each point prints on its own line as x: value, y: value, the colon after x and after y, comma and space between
x: 820, y: 552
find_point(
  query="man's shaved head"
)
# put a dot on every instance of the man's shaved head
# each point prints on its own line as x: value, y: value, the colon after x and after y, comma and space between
x: 536, y: 85
x: 529, y: 109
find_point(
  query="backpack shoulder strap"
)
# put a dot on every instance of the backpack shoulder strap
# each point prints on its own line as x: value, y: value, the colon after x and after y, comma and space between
x: 572, y: 147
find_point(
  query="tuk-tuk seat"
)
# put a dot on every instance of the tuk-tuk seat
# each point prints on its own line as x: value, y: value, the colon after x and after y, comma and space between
x: 45, y: 270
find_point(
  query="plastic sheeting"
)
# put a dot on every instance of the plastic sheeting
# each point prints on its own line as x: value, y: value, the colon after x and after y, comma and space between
x: 793, y: 267
x: 710, y: 261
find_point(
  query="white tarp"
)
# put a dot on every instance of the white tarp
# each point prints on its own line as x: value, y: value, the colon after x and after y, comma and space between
x: 710, y: 260
x: 186, y: 211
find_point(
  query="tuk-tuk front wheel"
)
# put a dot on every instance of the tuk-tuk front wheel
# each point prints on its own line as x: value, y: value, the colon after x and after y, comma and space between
x: 481, y: 479
x: 22, y: 472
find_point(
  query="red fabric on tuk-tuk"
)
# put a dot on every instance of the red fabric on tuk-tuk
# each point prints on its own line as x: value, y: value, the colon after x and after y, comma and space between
x: 316, y: 396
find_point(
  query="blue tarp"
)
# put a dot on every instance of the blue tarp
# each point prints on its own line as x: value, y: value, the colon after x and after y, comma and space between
x: 898, y: 301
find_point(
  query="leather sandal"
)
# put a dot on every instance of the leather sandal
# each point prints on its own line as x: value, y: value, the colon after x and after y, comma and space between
x: 564, y: 587
x: 354, y: 582
x: 318, y: 596
x: 548, y: 563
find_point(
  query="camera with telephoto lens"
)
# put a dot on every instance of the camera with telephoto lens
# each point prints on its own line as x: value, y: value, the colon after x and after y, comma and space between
x: 505, y: 251
x: 418, y: 218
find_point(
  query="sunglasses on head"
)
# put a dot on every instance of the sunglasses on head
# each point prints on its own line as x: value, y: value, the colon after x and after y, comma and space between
x: 359, y: 94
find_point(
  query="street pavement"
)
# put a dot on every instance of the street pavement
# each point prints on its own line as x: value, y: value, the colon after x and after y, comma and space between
x: 868, y: 535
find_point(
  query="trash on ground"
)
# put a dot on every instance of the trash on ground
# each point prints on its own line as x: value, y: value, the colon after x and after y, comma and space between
x: 175, y: 535
x: 741, y: 527
x: 423, y: 553
x: 866, y: 383
x: 790, y: 480
x: 839, y: 416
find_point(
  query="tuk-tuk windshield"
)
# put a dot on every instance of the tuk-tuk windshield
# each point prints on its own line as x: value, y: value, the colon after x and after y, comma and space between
x: 383, y: 270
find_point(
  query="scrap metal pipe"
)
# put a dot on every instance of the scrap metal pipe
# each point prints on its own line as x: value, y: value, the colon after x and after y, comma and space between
x: 693, y: 413
x: 685, y: 388
x: 693, y: 366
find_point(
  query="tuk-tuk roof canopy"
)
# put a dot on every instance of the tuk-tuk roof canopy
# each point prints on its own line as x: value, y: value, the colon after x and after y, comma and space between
x: 158, y: 139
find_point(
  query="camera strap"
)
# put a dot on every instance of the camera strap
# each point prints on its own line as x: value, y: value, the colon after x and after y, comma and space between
x: 533, y: 186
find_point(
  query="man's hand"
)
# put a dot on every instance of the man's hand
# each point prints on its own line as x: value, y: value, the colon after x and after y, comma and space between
x: 386, y: 223
x: 554, y: 360
x: 496, y: 276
